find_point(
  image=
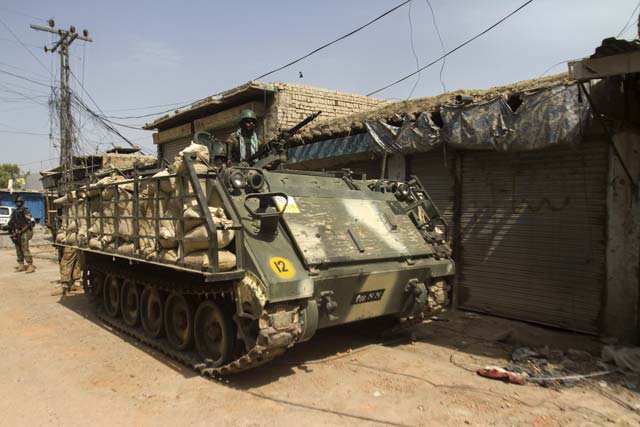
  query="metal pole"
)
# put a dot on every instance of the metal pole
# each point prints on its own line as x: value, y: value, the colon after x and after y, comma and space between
x: 66, y: 38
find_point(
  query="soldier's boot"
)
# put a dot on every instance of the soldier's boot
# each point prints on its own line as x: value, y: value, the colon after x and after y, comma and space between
x: 30, y: 268
x: 59, y: 290
x: 19, y: 268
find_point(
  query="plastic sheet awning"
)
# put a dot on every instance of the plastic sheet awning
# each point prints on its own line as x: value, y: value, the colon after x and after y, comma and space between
x: 547, y: 117
x: 551, y: 116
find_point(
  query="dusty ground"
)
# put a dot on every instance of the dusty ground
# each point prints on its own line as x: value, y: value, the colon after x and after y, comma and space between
x: 60, y: 366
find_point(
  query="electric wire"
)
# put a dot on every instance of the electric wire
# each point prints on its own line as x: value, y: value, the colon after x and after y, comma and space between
x: 23, y: 45
x: 15, y: 12
x: 444, y: 60
x: 630, y: 20
x: 101, y: 117
x: 24, y: 78
x: 415, y: 55
x: 326, y: 45
x: 293, y: 62
x: 39, y: 76
x: 460, y: 46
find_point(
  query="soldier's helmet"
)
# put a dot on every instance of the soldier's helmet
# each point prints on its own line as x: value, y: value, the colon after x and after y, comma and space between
x: 19, y: 199
x: 247, y: 114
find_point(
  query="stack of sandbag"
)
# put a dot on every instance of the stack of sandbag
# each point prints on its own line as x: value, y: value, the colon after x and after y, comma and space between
x: 180, y: 228
x: 185, y: 221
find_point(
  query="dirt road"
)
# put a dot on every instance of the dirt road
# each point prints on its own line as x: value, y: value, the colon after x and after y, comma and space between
x: 60, y: 366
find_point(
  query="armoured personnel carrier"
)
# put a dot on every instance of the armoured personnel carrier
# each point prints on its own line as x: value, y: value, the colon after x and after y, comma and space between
x: 223, y: 267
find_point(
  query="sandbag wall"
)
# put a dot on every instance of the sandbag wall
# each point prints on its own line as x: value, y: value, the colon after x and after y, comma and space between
x: 170, y: 225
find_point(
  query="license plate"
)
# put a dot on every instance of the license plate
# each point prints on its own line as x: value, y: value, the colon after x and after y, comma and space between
x: 369, y: 296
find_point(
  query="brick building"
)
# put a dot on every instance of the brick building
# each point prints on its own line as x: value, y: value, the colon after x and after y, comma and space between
x: 278, y: 106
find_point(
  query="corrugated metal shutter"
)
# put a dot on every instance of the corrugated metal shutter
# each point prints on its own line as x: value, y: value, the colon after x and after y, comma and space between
x: 171, y: 149
x: 435, y: 170
x: 533, y: 235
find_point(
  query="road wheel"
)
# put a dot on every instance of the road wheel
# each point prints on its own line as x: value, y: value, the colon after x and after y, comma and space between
x: 214, y: 333
x: 130, y: 303
x: 178, y: 321
x: 111, y: 295
x: 151, y: 306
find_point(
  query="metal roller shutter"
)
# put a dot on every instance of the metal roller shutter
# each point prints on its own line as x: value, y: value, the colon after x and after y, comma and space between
x: 533, y: 235
x: 171, y: 149
x: 436, y: 173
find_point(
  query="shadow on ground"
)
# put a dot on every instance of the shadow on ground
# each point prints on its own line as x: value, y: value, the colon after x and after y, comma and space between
x: 325, y: 344
x: 473, y: 341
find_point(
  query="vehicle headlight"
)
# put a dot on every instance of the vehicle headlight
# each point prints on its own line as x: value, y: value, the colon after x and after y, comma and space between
x: 236, y: 179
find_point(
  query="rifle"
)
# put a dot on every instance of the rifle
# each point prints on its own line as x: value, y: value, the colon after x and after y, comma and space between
x: 274, y: 151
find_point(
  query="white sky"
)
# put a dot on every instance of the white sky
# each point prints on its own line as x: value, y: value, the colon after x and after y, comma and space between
x: 157, y: 52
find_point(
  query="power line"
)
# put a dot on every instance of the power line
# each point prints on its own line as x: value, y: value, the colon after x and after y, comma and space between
x: 24, y: 46
x: 15, y: 12
x: 100, y: 119
x: 444, y: 60
x: 24, y: 78
x: 37, y: 161
x: 145, y: 108
x: 295, y: 61
x: 20, y: 132
x: 326, y: 45
x: 39, y: 76
x: 460, y: 46
x: 413, y: 50
x: 630, y: 20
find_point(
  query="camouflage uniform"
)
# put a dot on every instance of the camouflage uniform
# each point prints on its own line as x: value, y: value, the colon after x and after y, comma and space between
x: 20, y: 225
x: 239, y: 145
x: 69, y: 267
x: 243, y: 143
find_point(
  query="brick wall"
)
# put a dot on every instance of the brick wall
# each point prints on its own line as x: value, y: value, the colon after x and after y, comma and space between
x: 294, y: 102
x: 290, y: 104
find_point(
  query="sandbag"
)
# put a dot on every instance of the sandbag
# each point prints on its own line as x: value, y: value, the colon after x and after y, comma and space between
x: 166, y: 182
x: 72, y: 238
x: 146, y: 239
x: 127, y: 248
x: 93, y: 191
x: 226, y: 260
x: 198, y: 238
x: 95, y: 243
x: 109, y: 189
x: 72, y: 225
x: 125, y: 229
x: 201, y: 161
x: 168, y: 255
x: 167, y: 238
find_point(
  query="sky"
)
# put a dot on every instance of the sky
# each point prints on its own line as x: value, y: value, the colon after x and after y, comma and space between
x: 149, y: 53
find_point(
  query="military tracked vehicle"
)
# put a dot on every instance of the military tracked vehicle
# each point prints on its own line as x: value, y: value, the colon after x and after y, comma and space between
x: 223, y: 267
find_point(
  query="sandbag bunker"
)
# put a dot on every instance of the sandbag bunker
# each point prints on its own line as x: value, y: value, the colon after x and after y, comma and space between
x: 155, y: 218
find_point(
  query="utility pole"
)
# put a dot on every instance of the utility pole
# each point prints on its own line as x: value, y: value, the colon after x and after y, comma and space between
x: 66, y: 37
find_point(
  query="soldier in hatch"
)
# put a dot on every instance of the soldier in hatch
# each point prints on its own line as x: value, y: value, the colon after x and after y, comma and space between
x: 21, y: 229
x: 243, y: 143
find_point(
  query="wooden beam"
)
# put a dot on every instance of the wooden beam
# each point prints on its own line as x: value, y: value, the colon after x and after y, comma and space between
x: 606, y: 66
x: 173, y: 133
x: 227, y: 118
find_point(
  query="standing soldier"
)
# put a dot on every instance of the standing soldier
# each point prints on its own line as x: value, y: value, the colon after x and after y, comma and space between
x: 21, y: 229
x: 243, y: 143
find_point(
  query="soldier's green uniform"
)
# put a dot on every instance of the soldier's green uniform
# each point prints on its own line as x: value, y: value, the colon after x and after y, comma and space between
x: 21, y: 229
x: 243, y: 143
